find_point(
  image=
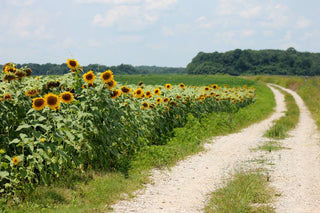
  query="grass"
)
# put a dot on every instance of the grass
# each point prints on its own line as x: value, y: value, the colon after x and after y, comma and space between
x: 270, y: 146
x: 95, y: 191
x: 287, y: 122
x: 245, y: 191
x: 175, y: 79
x: 308, y: 88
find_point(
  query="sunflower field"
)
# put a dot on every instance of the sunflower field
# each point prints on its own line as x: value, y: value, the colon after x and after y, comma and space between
x: 85, y: 120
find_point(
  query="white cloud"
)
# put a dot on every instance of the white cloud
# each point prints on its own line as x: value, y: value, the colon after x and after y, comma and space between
x: 20, y: 3
x: 160, y: 4
x: 250, y: 11
x: 166, y: 31
x: 202, y: 22
x: 288, y: 35
x: 247, y: 33
x: 303, y: 22
x: 29, y: 25
x: 132, y: 17
x: 125, y: 17
x: 109, y: 1
x: 277, y: 16
x: 128, y: 39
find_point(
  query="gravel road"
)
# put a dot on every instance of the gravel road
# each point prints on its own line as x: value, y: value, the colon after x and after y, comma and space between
x: 295, y: 175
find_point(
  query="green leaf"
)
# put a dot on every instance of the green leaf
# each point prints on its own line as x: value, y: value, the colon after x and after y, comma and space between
x: 3, y: 174
x: 16, y: 140
x: 23, y: 126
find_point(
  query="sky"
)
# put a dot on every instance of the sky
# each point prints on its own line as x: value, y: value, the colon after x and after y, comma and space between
x: 151, y: 32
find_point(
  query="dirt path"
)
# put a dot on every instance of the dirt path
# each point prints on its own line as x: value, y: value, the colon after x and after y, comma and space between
x: 296, y: 173
x: 184, y: 187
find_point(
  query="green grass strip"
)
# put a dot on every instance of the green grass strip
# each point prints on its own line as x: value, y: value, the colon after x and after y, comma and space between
x: 245, y: 191
x: 287, y: 122
x: 96, y: 191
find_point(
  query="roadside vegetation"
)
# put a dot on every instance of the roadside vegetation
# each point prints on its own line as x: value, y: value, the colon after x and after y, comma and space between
x: 287, y: 122
x: 307, y: 87
x: 93, y: 188
x: 244, y: 191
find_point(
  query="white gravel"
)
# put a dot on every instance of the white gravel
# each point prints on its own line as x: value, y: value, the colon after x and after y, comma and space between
x: 185, y: 186
x: 296, y: 173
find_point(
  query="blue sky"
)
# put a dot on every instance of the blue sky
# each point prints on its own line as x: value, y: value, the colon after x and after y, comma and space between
x: 151, y: 32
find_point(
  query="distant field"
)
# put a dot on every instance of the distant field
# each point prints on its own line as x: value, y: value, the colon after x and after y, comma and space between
x: 191, y: 80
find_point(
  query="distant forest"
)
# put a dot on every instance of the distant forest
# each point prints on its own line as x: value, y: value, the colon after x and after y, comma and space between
x: 256, y: 62
x: 234, y: 62
x: 123, y: 69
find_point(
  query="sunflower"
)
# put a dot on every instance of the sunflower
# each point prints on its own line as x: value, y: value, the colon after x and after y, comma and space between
x: 7, y: 97
x: 215, y: 86
x: 9, y: 77
x: 15, y: 160
x: 106, y: 76
x: 158, y: 101
x: 206, y: 88
x: 66, y: 97
x: 178, y: 97
x: 111, y: 84
x: 140, y: 83
x: 144, y: 105
x: 166, y: 100
x: 28, y: 71
x: 10, y: 69
x: 168, y: 86
x: 20, y: 74
x: 72, y: 64
x: 89, y: 77
x: 139, y: 93
x: 38, y: 103
x: 52, y: 101
x: 151, y: 106
x: 32, y: 92
x: 125, y: 90
x: 157, y: 91
x: 167, y: 109
x: 148, y: 94
x: 182, y: 86
x: 115, y: 93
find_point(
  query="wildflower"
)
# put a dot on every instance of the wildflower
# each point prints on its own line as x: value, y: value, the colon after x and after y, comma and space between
x: 144, y: 105
x: 157, y: 91
x: 148, y: 94
x: 15, y: 160
x: 111, y: 84
x: 166, y: 100
x: 115, y: 93
x: 66, y: 97
x: 52, y: 101
x: 9, y: 77
x: 38, y: 103
x: 168, y: 86
x: 43, y: 140
x: 139, y: 93
x: 125, y: 90
x: 89, y: 77
x: 158, y: 101
x: 106, y: 76
x: 31, y: 93
x: 72, y: 64
x: 7, y: 97
x: 182, y: 86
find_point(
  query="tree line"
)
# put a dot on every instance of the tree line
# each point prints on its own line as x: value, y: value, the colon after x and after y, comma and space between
x: 256, y: 62
x: 122, y: 69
